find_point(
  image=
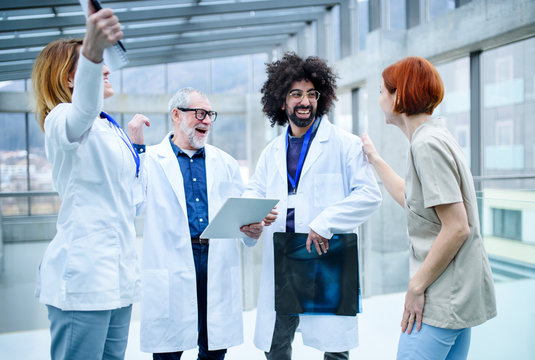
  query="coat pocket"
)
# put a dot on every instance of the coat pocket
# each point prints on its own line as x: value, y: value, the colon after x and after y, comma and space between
x: 93, y: 263
x: 155, y: 294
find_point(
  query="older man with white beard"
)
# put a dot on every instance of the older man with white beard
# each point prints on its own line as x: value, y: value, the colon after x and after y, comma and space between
x: 191, y: 286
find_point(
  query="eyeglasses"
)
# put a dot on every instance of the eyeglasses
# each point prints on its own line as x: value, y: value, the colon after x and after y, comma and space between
x: 200, y: 114
x: 299, y: 95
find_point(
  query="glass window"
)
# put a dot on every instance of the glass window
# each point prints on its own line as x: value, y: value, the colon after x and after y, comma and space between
x: 440, y: 7
x: 40, y: 167
x: 159, y: 126
x: 230, y: 75
x: 144, y: 80
x: 508, y: 107
x: 455, y: 107
x: 12, y: 85
x: 13, y: 162
x: 195, y: 74
x: 228, y: 134
x: 259, y: 71
x: 507, y: 223
x: 362, y: 9
x: 508, y: 149
x: 398, y: 16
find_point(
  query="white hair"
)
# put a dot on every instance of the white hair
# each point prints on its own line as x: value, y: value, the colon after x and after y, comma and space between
x: 182, y: 99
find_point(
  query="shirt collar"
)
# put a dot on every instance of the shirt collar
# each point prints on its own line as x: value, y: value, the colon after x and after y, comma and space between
x: 178, y: 151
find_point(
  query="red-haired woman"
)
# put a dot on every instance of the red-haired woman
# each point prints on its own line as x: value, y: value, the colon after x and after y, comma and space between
x: 451, y: 287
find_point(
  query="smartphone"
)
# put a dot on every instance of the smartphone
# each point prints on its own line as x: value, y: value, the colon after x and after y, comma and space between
x: 97, y: 6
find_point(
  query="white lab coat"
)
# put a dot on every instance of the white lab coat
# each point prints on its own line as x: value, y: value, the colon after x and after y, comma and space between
x: 91, y: 264
x: 169, y: 300
x: 337, y: 192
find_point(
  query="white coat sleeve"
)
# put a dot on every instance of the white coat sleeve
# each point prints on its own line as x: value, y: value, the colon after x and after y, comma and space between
x: 87, y: 98
x: 364, y: 196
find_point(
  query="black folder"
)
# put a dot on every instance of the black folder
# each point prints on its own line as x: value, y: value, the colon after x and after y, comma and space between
x: 307, y: 283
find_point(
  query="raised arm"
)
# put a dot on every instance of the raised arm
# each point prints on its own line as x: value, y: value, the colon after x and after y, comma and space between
x: 394, y: 184
x: 102, y: 30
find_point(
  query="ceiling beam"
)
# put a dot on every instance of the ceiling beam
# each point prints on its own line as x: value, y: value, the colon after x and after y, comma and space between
x: 202, y: 40
x: 207, y: 47
x: 179, y: 57
x: 179, y: 12
x: 150, y: 56
x: 41, y: 41
x: 34, y: 4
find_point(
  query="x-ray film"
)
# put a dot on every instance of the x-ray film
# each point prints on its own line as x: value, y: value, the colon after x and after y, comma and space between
x: 307, y: 283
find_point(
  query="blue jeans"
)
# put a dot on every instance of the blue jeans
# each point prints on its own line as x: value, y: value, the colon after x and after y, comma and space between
x: 434, y: 343
x: 89, y: 335
x: 283, y: 336
x: 200, y: 257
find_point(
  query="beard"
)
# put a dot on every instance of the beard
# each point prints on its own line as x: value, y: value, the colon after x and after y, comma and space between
x: 195, y: 141
x: 299, y: 122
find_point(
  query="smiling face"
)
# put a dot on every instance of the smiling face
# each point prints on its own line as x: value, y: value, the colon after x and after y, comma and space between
x: 191, y: 133
x: 108, y: 89
x: 301, y: 112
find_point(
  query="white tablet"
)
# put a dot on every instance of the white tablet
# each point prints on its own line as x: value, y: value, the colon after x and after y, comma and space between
x: 235, y: 213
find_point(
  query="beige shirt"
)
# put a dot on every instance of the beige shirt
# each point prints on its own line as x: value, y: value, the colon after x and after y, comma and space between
x: 463, y: 295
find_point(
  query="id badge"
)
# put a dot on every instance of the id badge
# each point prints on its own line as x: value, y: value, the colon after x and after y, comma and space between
x: 292, y: 201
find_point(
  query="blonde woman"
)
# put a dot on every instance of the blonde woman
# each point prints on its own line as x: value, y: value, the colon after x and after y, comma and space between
x: 89, y: 275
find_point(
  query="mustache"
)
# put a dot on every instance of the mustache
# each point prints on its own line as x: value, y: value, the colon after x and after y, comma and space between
x: 201, y: 127
x: 302, y: 107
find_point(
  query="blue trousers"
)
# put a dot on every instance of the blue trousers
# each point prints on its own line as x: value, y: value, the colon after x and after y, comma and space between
x: 434, y: 343
x: 200, y: 257
x: 89, y: 335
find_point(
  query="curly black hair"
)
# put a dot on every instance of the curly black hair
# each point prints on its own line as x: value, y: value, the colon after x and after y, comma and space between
x: 291, y: 68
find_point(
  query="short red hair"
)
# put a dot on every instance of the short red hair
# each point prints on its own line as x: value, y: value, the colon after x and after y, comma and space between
x: 418, y: 85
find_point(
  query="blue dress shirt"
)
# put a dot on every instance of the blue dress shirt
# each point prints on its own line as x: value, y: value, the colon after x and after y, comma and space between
x: 194, y: 174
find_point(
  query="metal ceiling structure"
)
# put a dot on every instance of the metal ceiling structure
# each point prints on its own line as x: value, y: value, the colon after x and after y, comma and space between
x: 157, y: 31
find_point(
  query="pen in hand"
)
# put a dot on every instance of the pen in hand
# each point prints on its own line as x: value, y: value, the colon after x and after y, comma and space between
x: 98, y: 7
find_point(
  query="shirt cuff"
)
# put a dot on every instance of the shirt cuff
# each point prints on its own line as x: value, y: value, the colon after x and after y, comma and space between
x: 139, y: 148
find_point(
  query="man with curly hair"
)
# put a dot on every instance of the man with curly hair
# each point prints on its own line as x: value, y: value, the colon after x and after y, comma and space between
x: 325, y: 186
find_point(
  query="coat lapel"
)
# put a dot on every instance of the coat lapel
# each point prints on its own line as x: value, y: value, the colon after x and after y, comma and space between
x: 209, y: 162
x: 171, y: 168
x: 280, y: 155
x: 316, y: 148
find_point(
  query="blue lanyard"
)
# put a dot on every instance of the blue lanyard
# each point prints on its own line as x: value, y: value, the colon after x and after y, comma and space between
x: 125, y: 139
x: 301, y: 155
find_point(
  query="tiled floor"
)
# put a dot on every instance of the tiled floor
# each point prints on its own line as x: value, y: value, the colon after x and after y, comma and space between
x: 509, y: 336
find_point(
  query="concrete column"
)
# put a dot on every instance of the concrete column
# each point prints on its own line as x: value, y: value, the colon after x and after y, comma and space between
x: 346, y: 35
